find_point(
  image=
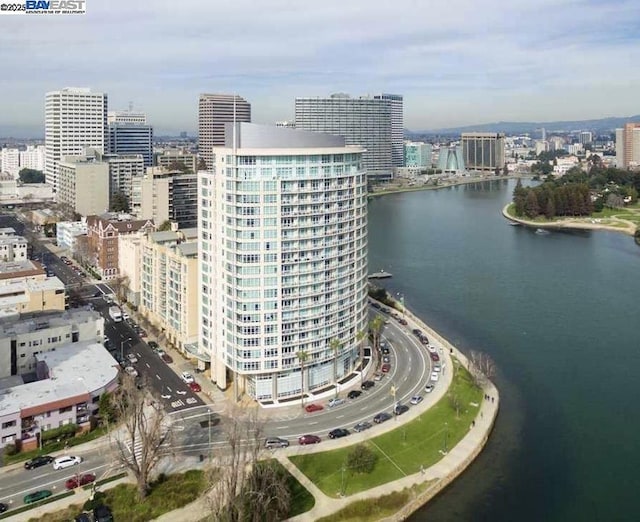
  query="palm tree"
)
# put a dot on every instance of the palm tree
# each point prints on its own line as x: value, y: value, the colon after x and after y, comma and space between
x: 335, y: 345
x: 302, y: 357
x: 375, y: 327
x: 360, y: 337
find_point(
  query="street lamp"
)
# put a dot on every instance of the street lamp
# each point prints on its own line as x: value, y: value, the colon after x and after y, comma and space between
x: 401, y: 296
x: 122, y: 348
x: 209, y: 426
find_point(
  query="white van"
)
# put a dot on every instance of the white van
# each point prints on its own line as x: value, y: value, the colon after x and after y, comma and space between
x: 66, y: 462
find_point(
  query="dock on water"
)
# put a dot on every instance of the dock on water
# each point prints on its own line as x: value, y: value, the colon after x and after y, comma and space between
x: 380, y: 275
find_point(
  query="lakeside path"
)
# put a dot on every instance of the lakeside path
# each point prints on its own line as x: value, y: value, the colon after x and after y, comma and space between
x: 434, y: 478
x: 612, y: 224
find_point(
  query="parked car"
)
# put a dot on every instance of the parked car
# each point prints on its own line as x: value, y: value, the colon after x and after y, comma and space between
x: 417, y: 332
x: 195, y: 386
x: 36, y: 496
x: 336, y: 401
x: 428, y: 388
x: 399, y: 409
x: 434, y: 356
x: 382, y: 417
x: 416, y: 399
x: 187, y: 377
x: 437, y: 368
x: 385, y: 351
x: 275, y: 442
x: 310, y: 408
x: 354, y: 394
x: 386, y: 368
x: 83, y: 517
x: 386, y: 359
x: 309, y: 439
x: 38, y: 461
x: 378, y: 376
x: 82, y: 480
x: 130, y: 370
x: 435, y: 376
x: 142, y: 332
x: 66, y: 462
x: 361, y: 426
x: 132, y: 358
x: 403, y: 322
x: 102, y: 514
x: 165, y: 357
x: 3, y: 507
x: 366, y: 385
x: 154, y: 346
x: 338, y: 433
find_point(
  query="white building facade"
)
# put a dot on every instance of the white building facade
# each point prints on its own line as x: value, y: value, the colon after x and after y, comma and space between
x: 282, y: 260
x: 33, y: 157
x: 75, y: 118
x: 10, y: 161
x: 67, y: 233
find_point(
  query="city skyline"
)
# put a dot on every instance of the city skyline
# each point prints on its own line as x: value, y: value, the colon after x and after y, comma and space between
x: 461, y: 63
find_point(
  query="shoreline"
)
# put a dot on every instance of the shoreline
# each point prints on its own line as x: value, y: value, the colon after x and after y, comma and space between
x: 456, y: 183
x: 573, y: 223
x: 438, y: 476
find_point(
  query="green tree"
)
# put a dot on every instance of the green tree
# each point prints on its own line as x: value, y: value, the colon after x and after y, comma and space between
x: 201, y: 164
x: 361, y: 459
x: 119, y: 203
x: 550, y: 210
x: 519, y: 197
x: 164, y: 226
x: 531, y: 206
x: 31, y: 176
x: 179, y: 165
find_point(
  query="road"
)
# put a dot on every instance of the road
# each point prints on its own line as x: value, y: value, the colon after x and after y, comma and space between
x: 198, y: 427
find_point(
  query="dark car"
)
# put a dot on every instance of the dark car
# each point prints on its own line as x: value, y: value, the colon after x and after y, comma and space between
x: 354, y: 394
x: 275, y: 442
x: 102, y: 514
x: 366, y: 385
x: 399, y: 409
x: 403, y: 322
x: 361, y: 426
x: 385, y: 351
x: 82, y: 480
x: 382, y: 417
x: 308, y: 439
x: 434, y: 357
x: 82, y: 517
x: 36, y: 462
x: 36, y: 496
x: 153, y: 345
x: 417, y: 332
x: 338, y: 433
x: 386, y: 367
x: 3, y: 507
x: 166, y: 358
x: 376, y: 305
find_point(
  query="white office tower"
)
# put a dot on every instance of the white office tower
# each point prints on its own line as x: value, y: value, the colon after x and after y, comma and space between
x: 75, y: 118
x: 396, y: 102
x: 283, y: 260
x: 32, y: 158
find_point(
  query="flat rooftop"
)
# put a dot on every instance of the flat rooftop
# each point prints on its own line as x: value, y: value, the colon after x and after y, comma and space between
x: 40, y: 321
x: 75, y: 369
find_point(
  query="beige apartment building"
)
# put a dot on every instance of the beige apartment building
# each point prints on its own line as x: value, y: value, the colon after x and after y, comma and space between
x: 25, y: 288
x: 169, y: 284
x: 129, y: 261
x: 83, y: 184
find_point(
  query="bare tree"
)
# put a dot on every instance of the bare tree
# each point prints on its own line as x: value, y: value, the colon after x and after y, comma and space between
x: 482, y: 367
x: 120, y: 286
x: 144, y: 429
x: 242, y: 488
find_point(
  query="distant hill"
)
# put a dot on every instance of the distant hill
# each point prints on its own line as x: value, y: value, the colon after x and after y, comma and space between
x: 522, y: 127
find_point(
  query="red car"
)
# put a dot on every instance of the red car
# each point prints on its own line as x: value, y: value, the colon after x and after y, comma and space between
x: 195, y: 387
x: 386, y: 367
x: 313, y: 407
x: 82, y: 480
x: 434, y: 357
x: 309, y: 439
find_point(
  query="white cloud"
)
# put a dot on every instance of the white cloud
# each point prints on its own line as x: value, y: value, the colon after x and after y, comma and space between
x: 456, y: 62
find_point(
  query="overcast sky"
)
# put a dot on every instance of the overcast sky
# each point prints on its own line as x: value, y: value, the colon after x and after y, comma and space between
x: 456, y: 62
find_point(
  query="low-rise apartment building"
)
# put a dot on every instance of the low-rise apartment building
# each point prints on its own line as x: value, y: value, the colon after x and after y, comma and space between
x: 22, y: 338
x: 70, y: 382
x: 67, y: 233
x: 13, y: 248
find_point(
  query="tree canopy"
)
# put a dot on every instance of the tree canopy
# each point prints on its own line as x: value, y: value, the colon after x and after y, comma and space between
x: 31, y: 176
x: 119, y: 203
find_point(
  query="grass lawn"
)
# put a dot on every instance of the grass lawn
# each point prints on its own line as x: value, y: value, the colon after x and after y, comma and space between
x: 167, y: 494
x: 402, y: 451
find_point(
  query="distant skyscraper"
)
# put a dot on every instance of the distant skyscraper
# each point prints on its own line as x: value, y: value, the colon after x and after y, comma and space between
x: 214, y: 110
x: 586, y: 137
x: 363, y: 121
x: 75, y: 118
x: 450, y: 159
x: 397, y: 126
x: 628, y: 146
x: 483, y: 150
x: 417, y: 154
x: 129, y: 133
x: 295, y: 240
